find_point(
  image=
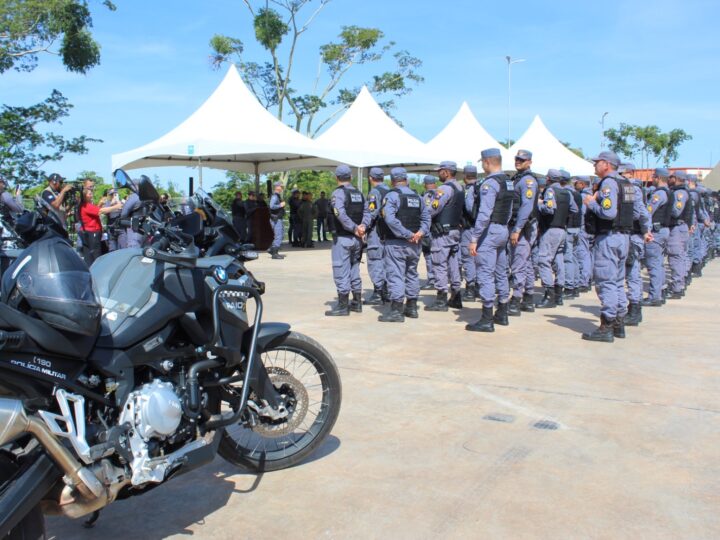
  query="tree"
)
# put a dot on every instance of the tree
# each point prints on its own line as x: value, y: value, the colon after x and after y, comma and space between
x: 28, y: 29
x: 223, y: 194
x: 646, y: 141
x: 279, y: 33
x: 576, y: 151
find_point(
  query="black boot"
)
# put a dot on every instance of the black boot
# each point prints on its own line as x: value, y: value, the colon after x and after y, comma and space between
x: 441, y: 303
x: 411, y: 308
x: 485, y: 324
x: 429, y: 286
x: 469, y: 294
x: 385, y: 294
x: 548, y: 300
x: 675, y: 295
x: 455, y: 301
x: 341, y: 309
x: 603, y: 333
x: 394, y: 314
x: 356, y: 303
x: 569, y: 292
x: 634, y: 315
x: 528, y: 303
x: 375, y: 299
x: 559, y: 295
x: 584, y: 289
x: 275, y: 255
x: 514, y: 306
x: 651, y: 303
x: 501, y: 314
x: 696, y: 270
x: 619, y: 327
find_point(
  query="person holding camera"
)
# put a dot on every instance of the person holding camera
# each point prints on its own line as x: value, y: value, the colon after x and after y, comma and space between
x: 55, y: 192
x: 91, y: 226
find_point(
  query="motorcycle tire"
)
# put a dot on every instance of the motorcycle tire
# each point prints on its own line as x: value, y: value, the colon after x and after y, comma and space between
x: 32, y: 527
x: 273, y: 447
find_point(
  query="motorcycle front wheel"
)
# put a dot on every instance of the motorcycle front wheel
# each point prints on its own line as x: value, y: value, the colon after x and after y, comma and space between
x: 302, y: 371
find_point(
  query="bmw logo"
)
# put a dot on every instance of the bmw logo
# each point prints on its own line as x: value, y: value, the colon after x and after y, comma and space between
x: 220, y: 275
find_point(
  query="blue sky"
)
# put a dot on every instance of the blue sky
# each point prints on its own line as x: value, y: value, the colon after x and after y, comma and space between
x: 643, y: 63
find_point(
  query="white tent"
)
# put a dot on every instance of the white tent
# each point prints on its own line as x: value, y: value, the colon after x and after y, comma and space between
x: 364, y: 136
x: 550, y: 153
x: 230, y: 131
x: 463, y: 139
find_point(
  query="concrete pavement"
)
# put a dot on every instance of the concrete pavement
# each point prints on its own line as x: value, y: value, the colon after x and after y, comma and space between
x: 529, y: 432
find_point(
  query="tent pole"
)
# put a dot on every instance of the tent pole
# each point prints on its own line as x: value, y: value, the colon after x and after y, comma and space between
x: 257, y: 178
x: 200, y: 172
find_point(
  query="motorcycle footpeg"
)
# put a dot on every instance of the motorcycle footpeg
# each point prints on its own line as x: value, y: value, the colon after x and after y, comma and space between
x: 11, y: 340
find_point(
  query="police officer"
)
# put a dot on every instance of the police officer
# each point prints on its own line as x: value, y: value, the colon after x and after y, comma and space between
x: 582, y: 247
x: 467, y: 262
x: 681, y: 219
x: 130, y: 238
x: 294, y: 223
x: 277, y: 213
x: 572, y: 234
x: 430, y: 183
x: 523, y: 233
x: 404, y: 221
x: 375, y: 248
x: 610, y: 216
x: 351, y: 219
x: 488, y: 240
x: 446, y: 211
x: 659, y: 208
x: 701, y: 221
x: 554, y: 208
x: 8, y: 204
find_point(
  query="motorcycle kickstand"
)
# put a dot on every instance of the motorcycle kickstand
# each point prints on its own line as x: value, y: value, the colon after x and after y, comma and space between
x: 90, y: 522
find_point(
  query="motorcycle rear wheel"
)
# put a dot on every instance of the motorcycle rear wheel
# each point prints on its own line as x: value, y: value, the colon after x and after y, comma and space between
x: 302, y: 367
x: 32, y: 527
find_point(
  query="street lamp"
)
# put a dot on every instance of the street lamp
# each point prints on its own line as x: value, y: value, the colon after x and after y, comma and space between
x: 602, y: 132
x: 510, y: 62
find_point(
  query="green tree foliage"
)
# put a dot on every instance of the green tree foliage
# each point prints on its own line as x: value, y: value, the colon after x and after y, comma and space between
x: 646, y: 142
x: 278, y: 31
x: 224, y: 193
x: 576, y: 151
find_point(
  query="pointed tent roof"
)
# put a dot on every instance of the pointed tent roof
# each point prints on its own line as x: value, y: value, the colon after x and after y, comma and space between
x: 548, y: 152
x: 463, y: 138
x: 231, y: 131
x: 366, y: 136
x: 712, y: 180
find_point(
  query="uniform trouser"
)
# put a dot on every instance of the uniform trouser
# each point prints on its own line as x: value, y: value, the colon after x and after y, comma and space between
x: 521, y: 268
x: 91, y: 246
x: 291, y: 230
x: 277, y: 227
x: 297, y: 230
x: 113, y: 240
x: 467, y: 260
x: 584, y: 259
x: 401, y: 261
x: 703, y: 240
x: 307, y: 230
x: 677, y: 256
x: 445, y: 254
x: 346, y: 253
x: 611, y: 250
x: 695, y: 249
x: 655, y: 262
x: 550, y: 257
x: 428, y: 264
x: 636, y: 253
x: 133, y: 239
x: 492, y: 265
x: 240, y: 225
x: 572, y: 268
x: 716, y: 236
x: 375, y: 254
x: 321, y: 226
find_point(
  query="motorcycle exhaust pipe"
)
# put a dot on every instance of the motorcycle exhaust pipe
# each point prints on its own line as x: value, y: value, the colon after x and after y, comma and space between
x: 15, y: 422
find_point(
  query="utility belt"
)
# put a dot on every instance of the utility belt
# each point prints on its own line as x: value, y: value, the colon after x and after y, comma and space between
x: 678, y: 222
x: 657, y: 227
x: 437, y: 229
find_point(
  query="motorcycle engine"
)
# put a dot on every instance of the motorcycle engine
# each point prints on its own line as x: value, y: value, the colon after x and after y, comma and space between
x: 154, y: 410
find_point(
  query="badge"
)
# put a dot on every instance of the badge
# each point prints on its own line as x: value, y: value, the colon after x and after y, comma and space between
x: 438, y: 194
x: 529, y: 193
x: 549, y: 204
x: 606, y: 192
x: 435, y: 204
x: 529, y: 182
x: 335, y: 210
x: 678, y: 205
x: 607, y: 204
x: 655, y: 198
x: 371, y: 206
x: 650, y: 208
x: 550, y: 194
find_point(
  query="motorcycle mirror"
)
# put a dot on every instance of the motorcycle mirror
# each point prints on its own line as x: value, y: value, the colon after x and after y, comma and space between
x: 122, y: 180
x: 146, y: 191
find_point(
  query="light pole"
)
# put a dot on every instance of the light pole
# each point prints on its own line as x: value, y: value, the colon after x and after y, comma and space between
x: 510, y: 62
x: 602, y: 130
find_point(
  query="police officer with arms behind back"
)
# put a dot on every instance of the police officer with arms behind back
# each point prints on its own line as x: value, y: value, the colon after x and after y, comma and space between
x: 488, y: 241
x: 659, y: 207
x: 430, y: 183
x: 351, y: 218
x: 609, y: 217
x: 404, y: 221
x: 681, y: 220
x: 277, y: 213
x: 470, y: 178
x: 375, y: 248
x: 446, y: 212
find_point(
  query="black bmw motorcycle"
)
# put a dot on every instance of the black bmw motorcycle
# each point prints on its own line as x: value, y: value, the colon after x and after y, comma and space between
x: 144, y: 367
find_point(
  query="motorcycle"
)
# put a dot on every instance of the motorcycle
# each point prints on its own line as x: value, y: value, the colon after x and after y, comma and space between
x: 116, y: 379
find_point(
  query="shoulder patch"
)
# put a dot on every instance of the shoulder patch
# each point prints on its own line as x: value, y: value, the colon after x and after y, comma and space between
x: 438, y: 194
x: 549, y: 194
x: 606, y: 192
x: 371, y: 206
x: 679, y: 204
x: 529, y: 193
x: 680, y: 196
x: 656, y: 198
x: 529, y: 181
x: 549, y: 204
x: 650, y: 208
x: 607, y: 204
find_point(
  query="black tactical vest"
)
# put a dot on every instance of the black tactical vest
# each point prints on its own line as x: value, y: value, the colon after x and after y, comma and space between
x: 575, y: 220
x: 408, y: 214
x: 687, y: 213
x: 354, y: 208
x: 467, y: 217
x: 559, y: 219
x: 663, y: 213
x: 518, y: 195
x: 278, y: 213
x: 623, y: 220
x: 383, y: 190
x: 504, y: 200
x: 451, y: 215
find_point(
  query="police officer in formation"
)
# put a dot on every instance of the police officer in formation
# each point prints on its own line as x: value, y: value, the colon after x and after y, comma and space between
x: 682, y: 218
x: 351, y: 218
x: 572, y: 237
x: 491, y: 208
x: 375, y: 248
x: 467, y: 261
x: 277, y: 213
x: 659, y: 206
x: 523, y: 233
x: 446, y: 211
x: 430, y: 184
x: 695, y: 250
x: 404, y: 221
x: 583, y: 255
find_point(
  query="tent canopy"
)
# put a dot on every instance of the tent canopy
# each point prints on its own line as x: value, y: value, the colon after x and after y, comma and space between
x: 365, y: 136
x: 230, y: 131
x: 712, y: 180
x: 463, y: 138
x: 550, y: 153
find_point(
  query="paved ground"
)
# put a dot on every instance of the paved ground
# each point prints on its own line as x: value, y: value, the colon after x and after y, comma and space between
x: 527, y: 432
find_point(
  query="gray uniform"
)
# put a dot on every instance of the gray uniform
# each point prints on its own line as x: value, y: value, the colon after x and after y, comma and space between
x: 445, y: 248
x: 466, y: 260
x: 678, y: 242
x: 131, y: 238
x: 375, y: 249
x: 346, y: 251
x: 552, y: 241
x: 655, y: 250
x: 276, y: 220
x: 636, y: 251
x: 521, y: 268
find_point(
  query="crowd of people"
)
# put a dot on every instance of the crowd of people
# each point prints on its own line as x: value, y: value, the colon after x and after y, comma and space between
x: 502, y: 232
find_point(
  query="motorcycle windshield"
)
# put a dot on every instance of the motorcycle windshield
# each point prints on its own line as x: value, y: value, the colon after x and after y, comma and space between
x: 222, y: 219
x: 71, y: 286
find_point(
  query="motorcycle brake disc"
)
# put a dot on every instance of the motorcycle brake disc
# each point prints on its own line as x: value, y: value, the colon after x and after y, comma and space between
x: 291, y: 384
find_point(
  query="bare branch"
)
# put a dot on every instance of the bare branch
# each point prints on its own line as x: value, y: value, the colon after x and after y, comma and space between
x: 305, y: 26
x: 249, y: 6
x: 325, y: 122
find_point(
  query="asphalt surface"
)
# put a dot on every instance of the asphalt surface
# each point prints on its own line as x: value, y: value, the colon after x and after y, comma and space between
x: 529, y: 432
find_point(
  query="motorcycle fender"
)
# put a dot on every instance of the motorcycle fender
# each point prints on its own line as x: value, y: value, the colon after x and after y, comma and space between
x: 268, y: 335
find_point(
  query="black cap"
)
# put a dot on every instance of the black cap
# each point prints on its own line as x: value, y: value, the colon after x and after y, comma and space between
x: 55, y: 177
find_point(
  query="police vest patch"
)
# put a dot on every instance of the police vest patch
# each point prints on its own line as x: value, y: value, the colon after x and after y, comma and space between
x: 356, y: 197
x: 509, y: 185
x: 413, y: 202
